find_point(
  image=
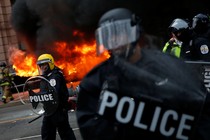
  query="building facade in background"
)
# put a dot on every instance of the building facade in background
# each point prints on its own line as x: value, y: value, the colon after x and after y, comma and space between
x: 8, y: 36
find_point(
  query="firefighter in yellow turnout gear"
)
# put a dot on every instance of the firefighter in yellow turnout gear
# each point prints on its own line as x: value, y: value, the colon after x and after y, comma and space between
x: 5, y: 82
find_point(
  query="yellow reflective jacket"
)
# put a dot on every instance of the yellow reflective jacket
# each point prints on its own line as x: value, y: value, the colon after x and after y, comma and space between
x: 173, y: 48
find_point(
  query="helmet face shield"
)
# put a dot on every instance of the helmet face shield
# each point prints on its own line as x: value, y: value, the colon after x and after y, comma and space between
x: 194, y: 23
x: 179, y: 24
x: 40, y: 62
x: 43, y: 68
x: 200, y: 23
x: 114, y: 35
x: 45, y: 64
x: 46, y: 58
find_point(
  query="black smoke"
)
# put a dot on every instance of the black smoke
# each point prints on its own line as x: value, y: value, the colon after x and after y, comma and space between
x: 39, y: 23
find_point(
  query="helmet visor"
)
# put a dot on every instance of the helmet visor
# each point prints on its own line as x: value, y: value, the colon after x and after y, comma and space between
x: 115, y: 35
x: 179, y: 24
x: 43, y: 61
x: 194, y: 23
x: 43, y: 68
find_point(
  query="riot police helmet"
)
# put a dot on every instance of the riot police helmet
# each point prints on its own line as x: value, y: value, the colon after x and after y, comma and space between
x: 117, y: 28
x: 178, y: 25
x: 200, y: 23
x: 46, y: 59
x: 180, y: 28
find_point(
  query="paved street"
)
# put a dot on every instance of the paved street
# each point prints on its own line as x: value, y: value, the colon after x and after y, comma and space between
x: 15, y: 118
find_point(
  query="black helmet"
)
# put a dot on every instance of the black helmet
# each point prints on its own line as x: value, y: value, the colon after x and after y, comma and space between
x: 200, y: 23
x: 181, y: 28
x: 2, y: 64
x: 117, y: 28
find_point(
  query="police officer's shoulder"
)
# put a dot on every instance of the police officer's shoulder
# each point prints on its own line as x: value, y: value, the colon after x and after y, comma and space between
x: 158, y: 56
x: 57, y: 71
x: 201, y: 42
x: 100, y: 66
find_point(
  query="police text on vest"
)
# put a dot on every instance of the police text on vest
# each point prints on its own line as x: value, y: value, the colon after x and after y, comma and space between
x: 111, y: 100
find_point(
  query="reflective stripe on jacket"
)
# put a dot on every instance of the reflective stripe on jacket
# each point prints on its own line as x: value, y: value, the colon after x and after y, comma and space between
x: 172, y: 48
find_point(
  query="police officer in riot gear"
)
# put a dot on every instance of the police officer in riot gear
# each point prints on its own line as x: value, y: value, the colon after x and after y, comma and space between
x: 200, y: 24
x: 136, y: 93
x: 58, y: 120
x: 200, y: 49
x: 181, y: 35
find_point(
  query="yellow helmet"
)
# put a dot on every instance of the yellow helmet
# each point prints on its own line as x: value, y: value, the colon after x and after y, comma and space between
x: 46, y: 58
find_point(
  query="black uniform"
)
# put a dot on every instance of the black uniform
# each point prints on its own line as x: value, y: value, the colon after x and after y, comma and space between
x: 58, y: 120
x: 200, y: 49
x: 118, y: 100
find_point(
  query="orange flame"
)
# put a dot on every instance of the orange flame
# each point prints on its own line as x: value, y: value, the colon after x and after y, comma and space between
x: 23, y: 64
x: 75, y: 61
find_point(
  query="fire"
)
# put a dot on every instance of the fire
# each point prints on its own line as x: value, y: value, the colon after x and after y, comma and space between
x: 23, y: 64
x: 74, y: 60
x: 78, y: 60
